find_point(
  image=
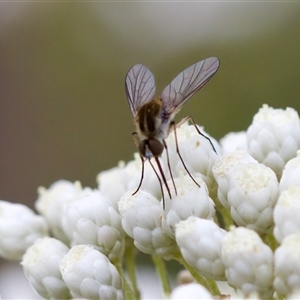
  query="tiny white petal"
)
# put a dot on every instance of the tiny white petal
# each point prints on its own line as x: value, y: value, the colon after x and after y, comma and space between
x: 19, y: 228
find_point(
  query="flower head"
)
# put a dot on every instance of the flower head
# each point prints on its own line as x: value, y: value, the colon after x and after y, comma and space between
x: 248, y: 262
x: 89, y: 274
x: 41, y: 267
x: 274, y: 137
x: 91, y: 219
x: 19, y: 228
x: 51, y: 202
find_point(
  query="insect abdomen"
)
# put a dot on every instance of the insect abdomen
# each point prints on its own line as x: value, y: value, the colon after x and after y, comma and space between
x: 147, y: 117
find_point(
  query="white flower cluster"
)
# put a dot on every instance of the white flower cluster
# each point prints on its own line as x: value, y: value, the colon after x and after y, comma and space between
x: 230, y: 216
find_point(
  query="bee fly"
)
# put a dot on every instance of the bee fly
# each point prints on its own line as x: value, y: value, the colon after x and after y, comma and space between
x: 154, y: 116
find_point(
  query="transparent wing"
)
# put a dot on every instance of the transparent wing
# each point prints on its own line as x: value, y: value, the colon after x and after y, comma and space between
x: 139, y: 87
x: 186, y: 84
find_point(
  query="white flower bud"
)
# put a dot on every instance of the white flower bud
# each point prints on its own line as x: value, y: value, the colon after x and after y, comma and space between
x: 233, y: 141
x: 89, y: 274
x: 191, y: 291
x: 115, y: 182
x: 248, y: 262
x: 19, y: 228
x: 286, y: 213
x: 224, y: 168
x: 50, y: 204
x: 287, y: 265
x: 253, y: 192
x: 196, y: 151
x: 41, y: 267
x: 200, y: 243
x: 141, y: 220
x: 291, y: 173
x: 184, y: 277
x: 91, y: 219
x: 274, y: 137
x: 190, y: 200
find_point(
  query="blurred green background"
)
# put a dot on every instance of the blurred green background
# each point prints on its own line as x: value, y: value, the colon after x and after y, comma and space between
x: 63, y: 109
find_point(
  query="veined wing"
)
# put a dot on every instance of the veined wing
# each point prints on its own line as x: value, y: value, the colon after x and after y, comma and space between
x: 186, y: 84
x: 139, y: 87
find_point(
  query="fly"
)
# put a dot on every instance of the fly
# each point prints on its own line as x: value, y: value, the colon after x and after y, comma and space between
x: 154, y: 116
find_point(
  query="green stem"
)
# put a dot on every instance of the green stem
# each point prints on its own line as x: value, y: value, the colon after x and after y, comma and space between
x: 207, y: 283
x: 271, y: 241
x: 128, y: 291
x: 161, y: 270
x: 213, y: 287
x: 226, y: 217
x: 131, y: 266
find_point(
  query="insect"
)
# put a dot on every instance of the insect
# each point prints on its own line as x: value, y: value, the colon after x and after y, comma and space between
x: 154, y: 116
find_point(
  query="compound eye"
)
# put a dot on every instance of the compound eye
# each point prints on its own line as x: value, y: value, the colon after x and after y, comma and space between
x: 155, y: 147
x: 150, y: 148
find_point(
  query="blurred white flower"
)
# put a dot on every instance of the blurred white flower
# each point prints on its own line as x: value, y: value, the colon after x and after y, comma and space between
x: 191, y: 291
x: 248, y: 262
x: 287, y: 265
x: 274, y: 137
x: 253, y: 193
x: 184, y: 276
x: 141, y: 220
x: 19, y: 228
x: 89, y: 274
x: 286, y: 213
x: 92, y: 220
x: 294, y: 296
x: 51, y: 202
x: 233, y: 141
x: 291, y: 173
x: 41, y: 267
x: 200, y: 243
